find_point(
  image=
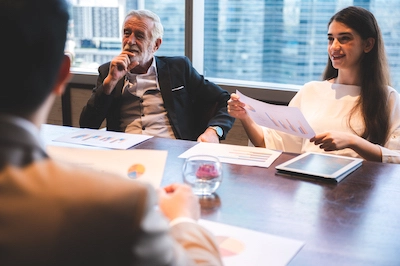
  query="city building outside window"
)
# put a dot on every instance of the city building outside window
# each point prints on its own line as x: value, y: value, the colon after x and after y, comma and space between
x: 272, y: 41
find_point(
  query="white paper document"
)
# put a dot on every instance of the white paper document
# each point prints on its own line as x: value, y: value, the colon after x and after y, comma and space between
x: 143, y: 165
x: 50, y: 132
x: 103, y: 139
x: 240, y: 246
x: 234, y: 154
x: 279, y: 117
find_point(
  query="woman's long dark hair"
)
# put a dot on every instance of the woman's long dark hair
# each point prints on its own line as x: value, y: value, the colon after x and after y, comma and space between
x: 374, y: 74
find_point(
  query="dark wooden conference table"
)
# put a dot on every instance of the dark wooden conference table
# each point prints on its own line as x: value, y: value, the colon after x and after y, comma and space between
x: 354, y: 222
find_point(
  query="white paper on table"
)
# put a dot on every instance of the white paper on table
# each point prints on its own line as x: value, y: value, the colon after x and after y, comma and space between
x: 240, y: 246
x: 104, y: 139
x: 234, y: 154
x: 50, y: 132
x: 279, y: 117
x: 143, y: 165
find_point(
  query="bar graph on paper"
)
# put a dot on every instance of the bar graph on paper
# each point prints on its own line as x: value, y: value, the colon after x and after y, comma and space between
x: 283, y: 118
x: 295, y: 127
x: 246, y: 155
x: 102, y: 139
x: 234, y: 154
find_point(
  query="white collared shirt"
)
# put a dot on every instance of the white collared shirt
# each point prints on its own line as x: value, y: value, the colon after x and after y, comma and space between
x: 143, y: 110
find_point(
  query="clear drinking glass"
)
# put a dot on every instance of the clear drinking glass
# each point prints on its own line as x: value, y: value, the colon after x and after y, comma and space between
x: 203, y: 173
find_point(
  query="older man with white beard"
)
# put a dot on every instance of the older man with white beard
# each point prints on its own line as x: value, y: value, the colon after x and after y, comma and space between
x: 138, y: 92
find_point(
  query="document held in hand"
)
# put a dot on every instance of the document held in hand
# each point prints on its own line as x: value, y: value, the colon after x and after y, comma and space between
x: 279, y: 117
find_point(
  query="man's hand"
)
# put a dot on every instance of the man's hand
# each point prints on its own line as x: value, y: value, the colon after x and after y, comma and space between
x: 209, y: 136
x: 119, y: 66
x: 178, y: 200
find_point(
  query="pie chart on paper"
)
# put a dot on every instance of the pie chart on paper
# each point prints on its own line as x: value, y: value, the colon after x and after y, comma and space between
x: 136, y: 171
x: 229, y: 246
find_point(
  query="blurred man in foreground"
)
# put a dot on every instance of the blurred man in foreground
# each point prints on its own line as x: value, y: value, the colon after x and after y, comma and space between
x: 53, y: 214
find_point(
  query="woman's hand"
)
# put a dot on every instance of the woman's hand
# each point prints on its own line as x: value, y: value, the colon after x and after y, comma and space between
x: 236, y: 107
x: 333, y: 141
x: 254, y: 132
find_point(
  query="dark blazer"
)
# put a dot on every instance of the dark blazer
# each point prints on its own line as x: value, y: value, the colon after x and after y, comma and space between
x: 57, y: 214
x: 192, y: 102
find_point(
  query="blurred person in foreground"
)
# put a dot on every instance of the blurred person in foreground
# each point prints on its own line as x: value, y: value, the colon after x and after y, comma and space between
x: 54, y: 214
x: 138, y: 92
x: 353, y: 111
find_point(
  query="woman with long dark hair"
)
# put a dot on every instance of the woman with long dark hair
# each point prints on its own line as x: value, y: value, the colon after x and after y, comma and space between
x: 353, y: 111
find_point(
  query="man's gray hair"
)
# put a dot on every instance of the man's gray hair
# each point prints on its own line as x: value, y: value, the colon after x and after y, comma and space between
x: 158, y: 29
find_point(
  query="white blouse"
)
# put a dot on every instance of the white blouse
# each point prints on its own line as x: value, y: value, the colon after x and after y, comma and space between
x: 326, y: 107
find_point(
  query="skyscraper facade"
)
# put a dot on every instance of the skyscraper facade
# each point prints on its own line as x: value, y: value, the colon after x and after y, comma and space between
x: 282, y: 41
x: 278, y: 41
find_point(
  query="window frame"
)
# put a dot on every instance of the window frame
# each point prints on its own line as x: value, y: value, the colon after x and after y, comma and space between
x: 194, y: 49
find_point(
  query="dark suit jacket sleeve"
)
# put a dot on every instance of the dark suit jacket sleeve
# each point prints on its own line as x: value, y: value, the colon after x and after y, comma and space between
x: 210, y: 101
x: 193, y: 103
x: 183, y: 244
x: 99, y: 105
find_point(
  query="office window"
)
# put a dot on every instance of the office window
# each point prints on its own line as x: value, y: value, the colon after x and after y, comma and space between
x: 283, y: 41
x: 274, y: 41
x: 96, y: 28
